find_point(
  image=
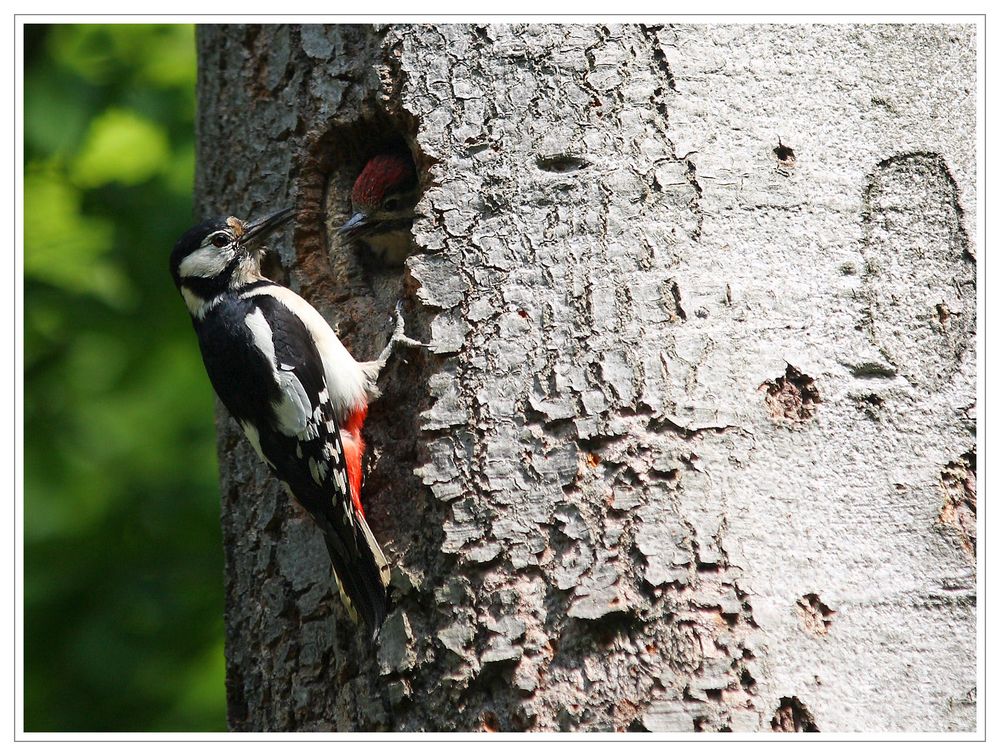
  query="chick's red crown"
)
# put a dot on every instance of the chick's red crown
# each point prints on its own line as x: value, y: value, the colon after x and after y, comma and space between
x: 383, y: 175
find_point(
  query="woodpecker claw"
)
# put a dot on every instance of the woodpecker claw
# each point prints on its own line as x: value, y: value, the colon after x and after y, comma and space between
x: 398, y: 333
x: 398, y: 337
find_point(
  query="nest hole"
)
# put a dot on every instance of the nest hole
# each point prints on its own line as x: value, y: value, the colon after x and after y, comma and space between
x: 334, y: 160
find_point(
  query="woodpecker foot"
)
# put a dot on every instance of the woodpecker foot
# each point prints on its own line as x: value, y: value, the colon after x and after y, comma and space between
x: 398, y: 335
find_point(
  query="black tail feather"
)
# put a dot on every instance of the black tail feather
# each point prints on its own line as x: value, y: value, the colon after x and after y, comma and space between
x: 361, y: 584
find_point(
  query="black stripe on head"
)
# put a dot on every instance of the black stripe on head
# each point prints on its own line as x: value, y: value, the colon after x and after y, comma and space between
x: 191, y: 240
x: 208, y: 288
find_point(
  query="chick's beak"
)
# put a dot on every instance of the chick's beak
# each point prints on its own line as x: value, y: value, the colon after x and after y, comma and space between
x: 355, y: 226
x: 256, y: 231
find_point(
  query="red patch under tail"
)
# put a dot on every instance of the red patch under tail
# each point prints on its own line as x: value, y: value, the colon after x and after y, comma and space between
x: 354, y: 449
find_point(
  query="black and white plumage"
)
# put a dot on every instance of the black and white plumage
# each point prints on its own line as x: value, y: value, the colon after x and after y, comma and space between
x: 284, y: 376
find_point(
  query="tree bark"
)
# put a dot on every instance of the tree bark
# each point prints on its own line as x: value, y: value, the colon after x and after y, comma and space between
x: 693, y: 447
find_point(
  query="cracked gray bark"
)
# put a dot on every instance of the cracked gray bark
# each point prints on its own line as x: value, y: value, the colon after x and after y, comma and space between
x: 693, y: 446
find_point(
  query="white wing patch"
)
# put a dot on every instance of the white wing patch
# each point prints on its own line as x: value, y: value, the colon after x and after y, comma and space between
x: 293, y: 411
x: 263, y: 336
x: 345, y: 378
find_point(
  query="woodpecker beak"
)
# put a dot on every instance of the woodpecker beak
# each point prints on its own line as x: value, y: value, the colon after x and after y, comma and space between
x: 356, y: 226
x: 256, y: 231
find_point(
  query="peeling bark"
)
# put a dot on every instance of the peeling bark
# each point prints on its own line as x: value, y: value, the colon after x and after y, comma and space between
x: 701, y: 306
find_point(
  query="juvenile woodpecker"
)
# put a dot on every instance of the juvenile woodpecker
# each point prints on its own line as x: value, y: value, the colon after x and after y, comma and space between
x: 299, y: 396
x: 384, y: 196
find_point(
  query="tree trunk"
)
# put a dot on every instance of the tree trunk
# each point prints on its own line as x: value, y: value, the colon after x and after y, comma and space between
x: 693, y: 447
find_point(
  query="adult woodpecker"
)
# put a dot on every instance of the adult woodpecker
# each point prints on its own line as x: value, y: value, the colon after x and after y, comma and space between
x: 299, y: 396
x: 384, y: 196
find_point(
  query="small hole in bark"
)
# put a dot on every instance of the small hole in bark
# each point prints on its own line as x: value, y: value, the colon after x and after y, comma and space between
x: 793, y: 716
x: 785, y: 155
x: 473, y: 146
x: 959, y: 509
x: 561, y: 163
x: 691, y: 460
x: 943, y: 314
x: 870, y: 404
x: 670, y: 476
x: 672, y: 300
x: 816, y: 616
x: 793, y: 396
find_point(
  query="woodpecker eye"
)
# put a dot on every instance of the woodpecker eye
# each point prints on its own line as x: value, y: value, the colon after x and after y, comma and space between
x: 220, y: 240
x: 391, y: 204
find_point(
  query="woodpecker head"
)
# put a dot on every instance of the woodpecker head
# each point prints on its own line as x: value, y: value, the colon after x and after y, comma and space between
x: 220, y: 254
x: 383, y: 198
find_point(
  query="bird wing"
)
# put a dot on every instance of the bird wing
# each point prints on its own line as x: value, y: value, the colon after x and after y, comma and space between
x: 294, y: 429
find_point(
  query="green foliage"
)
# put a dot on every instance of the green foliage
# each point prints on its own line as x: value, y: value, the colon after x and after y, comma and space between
x: 121, y: 146
x: 123, y: 552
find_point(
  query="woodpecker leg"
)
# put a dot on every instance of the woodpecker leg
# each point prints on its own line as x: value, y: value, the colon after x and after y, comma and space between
x: 398, y: 335
x: 374, y: 368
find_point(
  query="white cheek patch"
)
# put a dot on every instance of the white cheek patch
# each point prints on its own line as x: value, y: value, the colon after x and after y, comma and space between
x: 207, y: 262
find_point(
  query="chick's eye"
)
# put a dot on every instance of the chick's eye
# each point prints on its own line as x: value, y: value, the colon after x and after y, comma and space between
x: 220, y: 241
x: 391, y: 204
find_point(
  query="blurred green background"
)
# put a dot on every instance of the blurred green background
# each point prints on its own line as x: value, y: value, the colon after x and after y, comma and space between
x: 123, y: 551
